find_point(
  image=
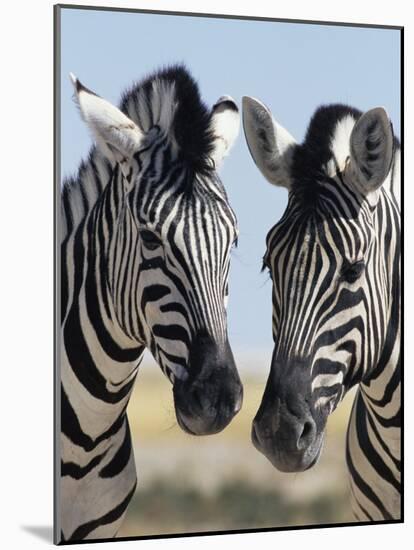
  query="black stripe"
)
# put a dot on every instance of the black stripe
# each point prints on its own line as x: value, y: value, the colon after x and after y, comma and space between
x: 82, y: 363
x: 397, y: 463
x: 364, y: 488
x: 362, y: 485
x: 66, y: 205
x: 173, y: 358
x: 108, y: 344
x: 360, y: 505
x: 71, y: 428
x: 369, y: 450
x: 78, y: 472
x: 391, y: 422
x: 121, y: 457
x: 153, y: 293
x: 83, y: 530
x: 389, y: 390
x: 98, y: 182
x: 64, y: 281
x: 172, y: 332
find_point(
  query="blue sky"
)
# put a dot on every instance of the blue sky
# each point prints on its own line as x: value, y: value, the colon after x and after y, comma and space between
x: 293, y: 68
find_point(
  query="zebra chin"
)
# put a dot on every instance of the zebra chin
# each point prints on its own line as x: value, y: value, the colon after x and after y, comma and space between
x: 210, y: 424
x: 286, y: 459
x: 207, y: 401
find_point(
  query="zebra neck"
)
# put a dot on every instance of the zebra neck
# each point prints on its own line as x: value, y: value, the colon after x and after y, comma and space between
x: 122, y: 259
x: 99, y: 360
x: 114, y: 242
x: 380, y: 389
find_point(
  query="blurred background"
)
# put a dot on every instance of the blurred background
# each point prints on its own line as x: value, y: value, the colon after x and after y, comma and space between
x: 221, y: 482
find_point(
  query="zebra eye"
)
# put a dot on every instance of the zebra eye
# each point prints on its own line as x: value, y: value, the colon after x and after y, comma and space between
x: 352, y: 272
x: 150, y: 239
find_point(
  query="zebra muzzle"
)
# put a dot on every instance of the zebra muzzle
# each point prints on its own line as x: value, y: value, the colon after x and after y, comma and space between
x: 287, y: 435
x: 212, y: 395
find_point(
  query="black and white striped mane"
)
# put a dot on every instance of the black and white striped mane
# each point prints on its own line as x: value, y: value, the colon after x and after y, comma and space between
x: 174, y: 91
x: 169, y: 99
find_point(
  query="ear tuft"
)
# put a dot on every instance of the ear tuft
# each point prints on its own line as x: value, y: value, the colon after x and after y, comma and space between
x: 372, y: 149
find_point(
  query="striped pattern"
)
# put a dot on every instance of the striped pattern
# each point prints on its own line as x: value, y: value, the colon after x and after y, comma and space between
x: 334, y: 258
x: 145, y: 259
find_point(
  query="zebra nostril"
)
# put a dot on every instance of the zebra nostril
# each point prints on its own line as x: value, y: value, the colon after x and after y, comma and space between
x: 306, y: 434
x: 307, y: 428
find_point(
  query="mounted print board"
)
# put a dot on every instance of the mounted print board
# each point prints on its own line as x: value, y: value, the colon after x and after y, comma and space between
x: 228, y: 196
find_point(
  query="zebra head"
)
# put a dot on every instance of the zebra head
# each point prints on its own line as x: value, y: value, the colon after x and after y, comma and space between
x: 326, y: 259
x: 170, y: 232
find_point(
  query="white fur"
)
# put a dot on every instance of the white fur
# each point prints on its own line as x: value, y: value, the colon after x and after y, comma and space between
x: 340, y: 142
x: 326, y: 380
x: 225, y: 124
x: 108, y: 124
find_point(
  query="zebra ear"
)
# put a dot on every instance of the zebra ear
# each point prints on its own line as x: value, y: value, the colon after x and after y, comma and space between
x: 371, y: 150
x: 225, y: 123
x: 269, y: 143
x: 116, y: 134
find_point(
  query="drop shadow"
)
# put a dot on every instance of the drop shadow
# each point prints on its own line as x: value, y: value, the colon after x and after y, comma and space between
x: 43, y: 532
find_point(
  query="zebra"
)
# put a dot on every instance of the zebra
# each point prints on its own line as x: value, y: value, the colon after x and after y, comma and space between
x: 147, y: 234
x: 334, y: 260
